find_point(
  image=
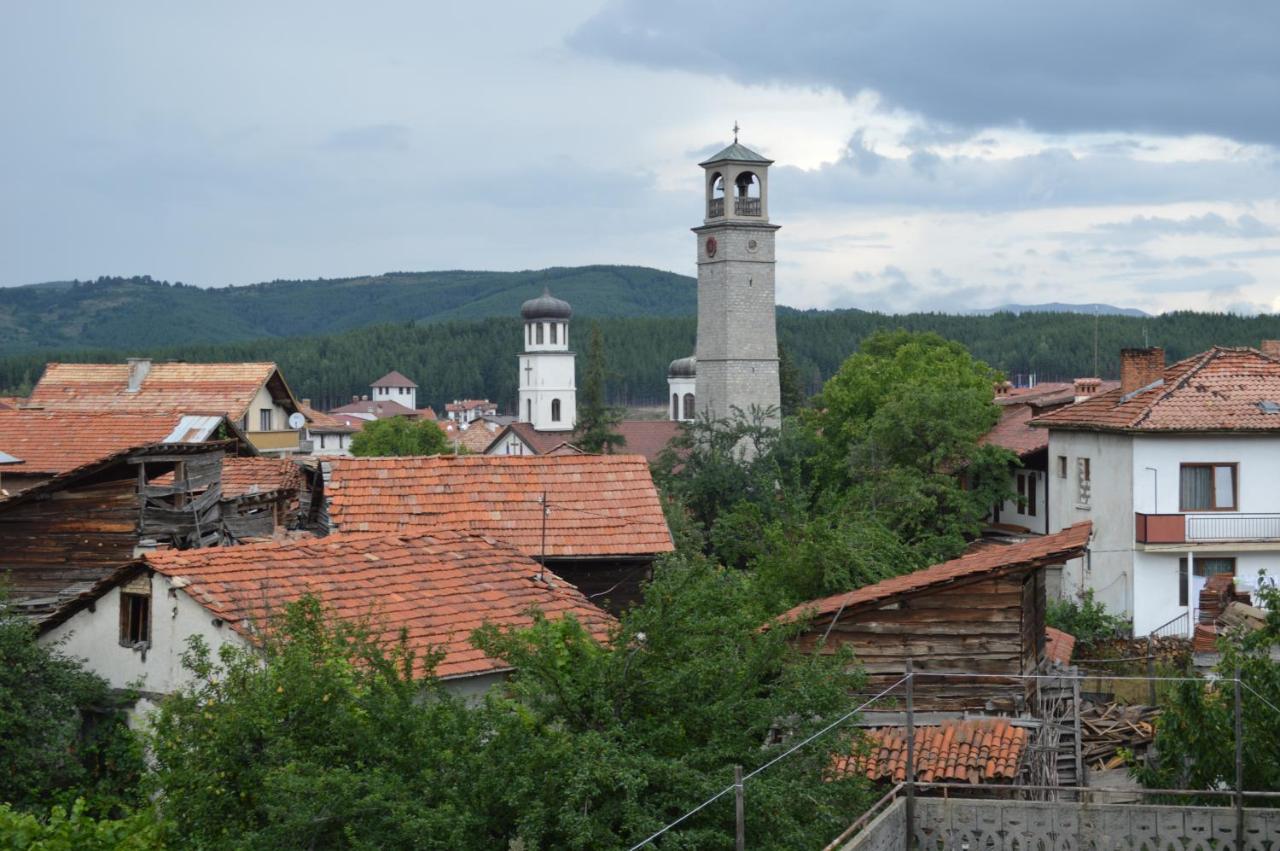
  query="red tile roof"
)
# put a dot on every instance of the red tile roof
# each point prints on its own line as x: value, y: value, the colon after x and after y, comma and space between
x: 438, y: 588
x: 644, y: 437
x: 540, y: 442
x: 1217, y: 390
x: 600, y: 505
x: 475, y: 438
x: 222, y: 388
x: 1058, y: 645
x: 379, y: 410
x: 58, y: 441
x: 983, y: 750
x: 1036, y: 552
x: 427, y: 413
x: 393, y: 379
x: 469, y: 405
x: 1014, y: 432
x: 322, y: 423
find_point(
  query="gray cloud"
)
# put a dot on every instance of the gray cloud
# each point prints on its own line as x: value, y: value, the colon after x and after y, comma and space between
x: 1217, y: 281
x: 1158, y: 66
x: 1141, y: 228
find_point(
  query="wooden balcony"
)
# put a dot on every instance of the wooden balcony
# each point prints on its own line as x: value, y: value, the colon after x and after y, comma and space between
x: 1206, y: 528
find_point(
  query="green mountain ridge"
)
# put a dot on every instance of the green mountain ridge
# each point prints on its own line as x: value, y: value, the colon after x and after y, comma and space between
x: 140, y: 312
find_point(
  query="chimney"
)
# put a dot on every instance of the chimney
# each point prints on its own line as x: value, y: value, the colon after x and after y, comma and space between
x: 1003, y: 388
x: 1140, y: 368
x: 1271, y: 348
x: 306, y: 403
x: 364, y: 398
x: 138, y: 369
x: 355, y: 398
x: 1086, y: 387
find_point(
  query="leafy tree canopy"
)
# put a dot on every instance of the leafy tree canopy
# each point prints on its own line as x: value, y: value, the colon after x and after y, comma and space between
x: 597, y: 421
x: 399, y: 436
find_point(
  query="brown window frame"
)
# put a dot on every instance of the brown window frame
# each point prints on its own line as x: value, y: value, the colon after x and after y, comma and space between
x: 1235, y: 485
x: 135, y: 618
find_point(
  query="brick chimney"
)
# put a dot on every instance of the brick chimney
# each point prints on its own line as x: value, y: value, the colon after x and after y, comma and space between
x: 1086, y: 387
x: 1140, y: 368
x: 138, y: 369
x: 1003, y: 388
x: 1271, y: 348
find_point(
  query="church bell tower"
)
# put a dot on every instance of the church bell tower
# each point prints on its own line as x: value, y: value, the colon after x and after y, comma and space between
x: 737, y: 352
x: 548, y: 395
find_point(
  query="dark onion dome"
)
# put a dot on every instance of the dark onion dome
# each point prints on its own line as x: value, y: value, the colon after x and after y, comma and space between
x: 546, y: 306
x: 683, y: 368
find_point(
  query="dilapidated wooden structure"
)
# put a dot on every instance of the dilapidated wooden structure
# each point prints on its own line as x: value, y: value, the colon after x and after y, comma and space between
x: 980, y: 614
x: 61, y: 536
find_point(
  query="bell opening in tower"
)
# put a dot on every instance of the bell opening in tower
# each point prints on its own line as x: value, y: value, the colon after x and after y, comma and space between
x: 746, y: 200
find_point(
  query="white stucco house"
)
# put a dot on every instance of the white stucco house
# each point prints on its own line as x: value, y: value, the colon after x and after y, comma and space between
x: 133, y: 627
x: 1178, y: 468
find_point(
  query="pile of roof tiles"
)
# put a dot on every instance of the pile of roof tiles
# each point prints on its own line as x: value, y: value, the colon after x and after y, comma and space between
x: 984, y: 750
x: 1218, y: 594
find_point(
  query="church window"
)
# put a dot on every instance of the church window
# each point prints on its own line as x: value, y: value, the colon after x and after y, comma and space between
x: 540, y: 333
x: 555, y: 410
x: 688, y: 406
x: 528, y: 410
x: 675, y: 406
x: 555, y: 326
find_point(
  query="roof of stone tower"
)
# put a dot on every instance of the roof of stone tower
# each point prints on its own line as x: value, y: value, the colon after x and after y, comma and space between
x: 737, y: 153
x: 683, y: 368
x: 546, y: 306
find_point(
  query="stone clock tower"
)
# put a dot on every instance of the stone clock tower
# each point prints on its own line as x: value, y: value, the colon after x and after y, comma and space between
x: 737, y: 353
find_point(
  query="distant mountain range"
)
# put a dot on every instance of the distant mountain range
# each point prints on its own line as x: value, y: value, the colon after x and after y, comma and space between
x: 1060, y: 307
x: 140, y: 313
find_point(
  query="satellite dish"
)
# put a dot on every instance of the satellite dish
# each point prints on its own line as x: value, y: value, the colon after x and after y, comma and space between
x: 297, y: 420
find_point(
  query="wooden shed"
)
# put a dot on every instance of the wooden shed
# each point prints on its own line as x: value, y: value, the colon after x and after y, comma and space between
x: 982, y: 613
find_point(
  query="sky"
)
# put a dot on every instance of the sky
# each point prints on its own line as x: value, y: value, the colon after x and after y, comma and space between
x: 929, y: 156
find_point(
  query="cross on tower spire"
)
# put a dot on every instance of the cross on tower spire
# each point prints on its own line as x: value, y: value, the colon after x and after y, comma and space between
x: 735, y: 132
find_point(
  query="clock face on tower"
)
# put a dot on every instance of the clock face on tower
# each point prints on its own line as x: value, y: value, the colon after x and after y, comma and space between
x: 711, y: 246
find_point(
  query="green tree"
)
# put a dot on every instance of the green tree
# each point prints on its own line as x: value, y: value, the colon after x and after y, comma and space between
x: 48, y: 753
x: 399, y: 436
x: 603, y: 744
x: 77, y: 830
x: 900, y: 424
x: 790, y: 383
x: 1194, y: 745
x: 597, y: 421
x: 322, y: 737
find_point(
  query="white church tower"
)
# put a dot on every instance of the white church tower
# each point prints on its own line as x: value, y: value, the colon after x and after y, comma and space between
x: 548, y: 395
x: 737, y: 351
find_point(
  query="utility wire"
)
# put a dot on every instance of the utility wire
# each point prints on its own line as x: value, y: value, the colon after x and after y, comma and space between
x: 726, y: 790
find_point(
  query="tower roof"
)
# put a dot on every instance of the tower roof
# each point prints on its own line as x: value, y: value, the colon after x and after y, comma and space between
x: 737, y: 153
x: 393, y: 379
x: 546, y: 306
x: 683, y: 368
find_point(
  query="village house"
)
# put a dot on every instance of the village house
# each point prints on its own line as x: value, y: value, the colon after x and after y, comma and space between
x: 469, y: 410
x: 328, y: 434
x: 61, y: 536
x: 981, y: 613
x: 434, y: 589
x: 601, y: 529
x: 392, y: 395
x: 254, y: 395
x: 1027, y: 510
x: 394, y: 387
x: 648, y: 438
x: 1177, y: 469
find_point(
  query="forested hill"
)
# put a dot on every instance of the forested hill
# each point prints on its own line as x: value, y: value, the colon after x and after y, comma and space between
x: 146, y: 313
x: 464, y: 359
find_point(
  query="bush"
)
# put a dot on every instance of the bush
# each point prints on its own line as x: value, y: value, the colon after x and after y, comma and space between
x: 76, y: 831
x: 1088, y: 620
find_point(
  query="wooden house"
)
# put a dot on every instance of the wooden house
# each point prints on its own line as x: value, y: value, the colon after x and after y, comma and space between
x: 60, y: 537
x: 977, y: 623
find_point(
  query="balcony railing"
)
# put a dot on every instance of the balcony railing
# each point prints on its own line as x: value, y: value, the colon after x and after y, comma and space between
x: 715, y: 208
x: 1206, y: 528
x: 746, y: 206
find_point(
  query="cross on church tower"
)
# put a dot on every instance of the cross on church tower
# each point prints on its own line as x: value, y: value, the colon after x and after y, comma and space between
x: 735, y: 132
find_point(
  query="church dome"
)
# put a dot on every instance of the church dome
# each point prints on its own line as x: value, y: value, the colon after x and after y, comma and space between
x: 546, y: 306
x: 683, y: 368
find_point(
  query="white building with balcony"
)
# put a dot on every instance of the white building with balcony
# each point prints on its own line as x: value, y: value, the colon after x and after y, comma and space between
x: 1179, y: 470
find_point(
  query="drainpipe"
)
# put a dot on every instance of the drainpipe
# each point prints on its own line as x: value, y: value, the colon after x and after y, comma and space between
x: 1155, y: 489
x: 1191, y: 571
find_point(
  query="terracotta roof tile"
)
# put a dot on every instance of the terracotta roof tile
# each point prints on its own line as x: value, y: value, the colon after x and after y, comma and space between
x: 393, y: 379
x: 1217, y: 390
x: 1050, y: 549
x: 984, y: 750
x: 644, y: 437
x: 600, y: 505
x: 437, y: 587
x: 243, y: 476
x: 1058, y: 645
x: 1014, y: 432
x: 223, y: 388
x: 322, y: 423
x: 58, y: 441
x: 380, y: 409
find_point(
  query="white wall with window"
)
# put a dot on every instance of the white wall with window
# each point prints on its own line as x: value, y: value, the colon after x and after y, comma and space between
x: 1028, y: 509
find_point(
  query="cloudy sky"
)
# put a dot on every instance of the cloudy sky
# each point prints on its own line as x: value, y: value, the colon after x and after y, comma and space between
x: 929, y: 155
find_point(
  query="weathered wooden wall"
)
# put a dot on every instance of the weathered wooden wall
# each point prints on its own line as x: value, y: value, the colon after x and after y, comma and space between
x: 980, y: 628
